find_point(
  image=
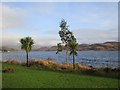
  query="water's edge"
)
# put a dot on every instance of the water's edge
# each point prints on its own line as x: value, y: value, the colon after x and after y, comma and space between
x: 91, y: 58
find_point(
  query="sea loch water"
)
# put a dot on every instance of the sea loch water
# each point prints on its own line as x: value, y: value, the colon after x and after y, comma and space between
x: 92, y: 58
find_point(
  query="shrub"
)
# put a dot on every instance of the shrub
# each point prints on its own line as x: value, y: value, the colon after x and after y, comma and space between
x: 8, y: 70
x: 107, y: 69
x: 42, y: 63
x: 80, y: 67
x: 15, y: 62
x: 12, y: 62
x: 32, y: 62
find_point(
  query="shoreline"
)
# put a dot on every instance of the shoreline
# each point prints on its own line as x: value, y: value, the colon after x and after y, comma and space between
x: 46, y: 61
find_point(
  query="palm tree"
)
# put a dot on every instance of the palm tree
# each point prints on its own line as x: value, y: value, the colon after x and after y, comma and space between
x: 73, y: 49
x: 27, y: 44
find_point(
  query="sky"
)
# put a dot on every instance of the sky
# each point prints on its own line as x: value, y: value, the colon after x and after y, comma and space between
x: 91, y: 22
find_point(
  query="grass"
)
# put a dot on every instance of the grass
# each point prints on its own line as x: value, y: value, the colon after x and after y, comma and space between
x: 31, y: 77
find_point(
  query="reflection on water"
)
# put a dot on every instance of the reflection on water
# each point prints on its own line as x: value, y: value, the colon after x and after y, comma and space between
x: 93, y: 58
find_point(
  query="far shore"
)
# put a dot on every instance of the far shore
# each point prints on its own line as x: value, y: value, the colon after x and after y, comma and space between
x: 106, y: 46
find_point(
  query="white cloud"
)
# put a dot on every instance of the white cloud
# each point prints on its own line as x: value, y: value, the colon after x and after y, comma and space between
x: 11, y: 17
x: 9, y: 39
x: 95, y: 36
x: 14, y: 18
x: 96, y: 16
x: 83, y: 36
x: 48, y: 41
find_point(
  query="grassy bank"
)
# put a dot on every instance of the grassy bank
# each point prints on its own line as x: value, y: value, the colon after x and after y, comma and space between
x: 31, y: 77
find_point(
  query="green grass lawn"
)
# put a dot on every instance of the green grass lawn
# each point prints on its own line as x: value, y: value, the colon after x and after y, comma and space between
x: 27, y: 77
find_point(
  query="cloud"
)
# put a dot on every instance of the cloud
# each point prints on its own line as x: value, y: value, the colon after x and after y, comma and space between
x: 48, y: 41
x: 45, y: 8
x: 12, y: 18
x: 95, y: 36
x: 9, y: 39
x: 13, y: 39
x: 95, y: 15
x: 41, y: 8
x: 41, y: 22
x: 83, y: 36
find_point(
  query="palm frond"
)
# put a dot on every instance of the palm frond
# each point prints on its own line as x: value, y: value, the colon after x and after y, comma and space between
x: 71, y: 52
x: 26, y: 43
x: 75, y: 53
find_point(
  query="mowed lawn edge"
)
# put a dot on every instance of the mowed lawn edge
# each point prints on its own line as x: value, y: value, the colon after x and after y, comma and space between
x: 31, y: 77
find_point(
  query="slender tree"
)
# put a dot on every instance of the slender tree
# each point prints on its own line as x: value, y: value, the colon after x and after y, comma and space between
x: 59, y: 48
x: 73, y: 49
x: 65, y: 36
x: 27, y: 44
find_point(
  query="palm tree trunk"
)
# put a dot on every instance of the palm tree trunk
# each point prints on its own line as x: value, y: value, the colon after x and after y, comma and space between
x: 27, y: 58
x: 66, y: 53
x: 73, y: 61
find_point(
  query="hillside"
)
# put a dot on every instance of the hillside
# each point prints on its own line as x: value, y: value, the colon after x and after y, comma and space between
x: 7, y: 49
x: 107, y: 46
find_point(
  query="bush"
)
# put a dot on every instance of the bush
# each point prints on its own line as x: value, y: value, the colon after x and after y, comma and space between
x: 106, y: 69
x: 42, y: 63
x: 8, y: 70
x: 15, y: 62
x: 80, y: 67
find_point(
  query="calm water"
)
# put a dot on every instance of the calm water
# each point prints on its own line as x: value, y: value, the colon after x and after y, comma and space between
x: 93, y: 58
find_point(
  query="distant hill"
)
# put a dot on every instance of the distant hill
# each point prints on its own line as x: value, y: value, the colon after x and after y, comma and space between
x: 6, y: 49
x: 107, y: 46
x: 53, y: 48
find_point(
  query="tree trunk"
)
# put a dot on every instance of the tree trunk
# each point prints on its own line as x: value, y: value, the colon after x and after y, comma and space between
x: 27, y: 59
x: 73, y: 61
x: 66, y: 53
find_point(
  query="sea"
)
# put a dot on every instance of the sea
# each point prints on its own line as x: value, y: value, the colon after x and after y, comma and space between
x: 90, y: 58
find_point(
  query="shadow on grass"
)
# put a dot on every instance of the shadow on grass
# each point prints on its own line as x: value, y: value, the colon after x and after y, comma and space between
x: 101, y: 73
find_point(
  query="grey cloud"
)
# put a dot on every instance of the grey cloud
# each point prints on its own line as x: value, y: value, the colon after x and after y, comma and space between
x: 12, y: 17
